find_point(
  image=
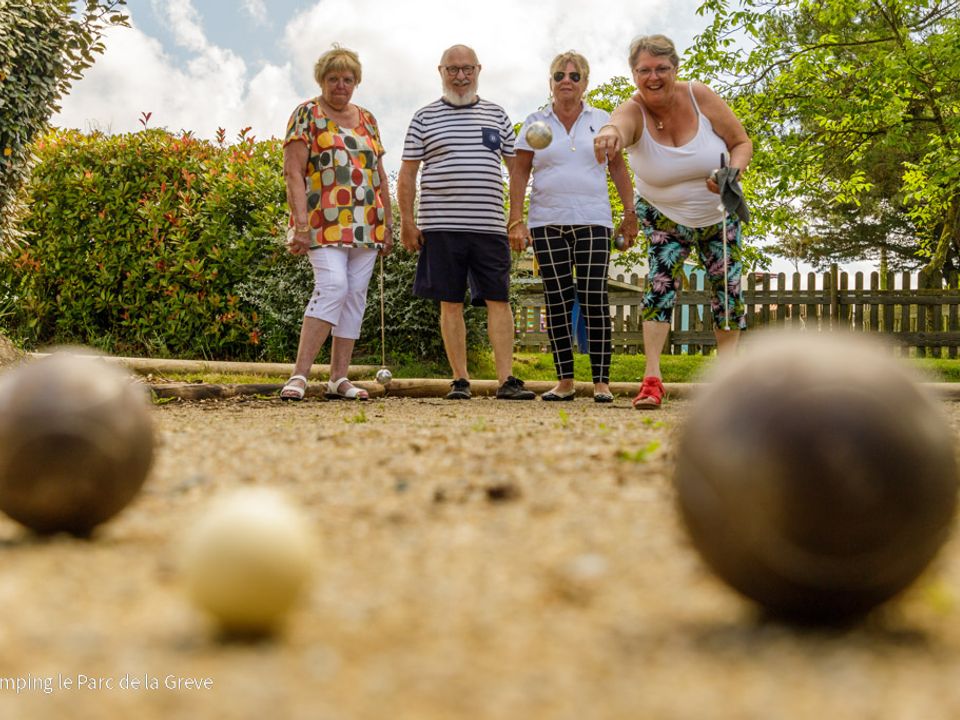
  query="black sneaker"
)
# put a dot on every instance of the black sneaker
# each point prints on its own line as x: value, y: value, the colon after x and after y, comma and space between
x: 459, y: 390
x: 512, y: 389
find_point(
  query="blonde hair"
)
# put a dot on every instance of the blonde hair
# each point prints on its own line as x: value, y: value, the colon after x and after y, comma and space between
x: 658, y: 45
x: 576, y: 59
x: 339, y: 59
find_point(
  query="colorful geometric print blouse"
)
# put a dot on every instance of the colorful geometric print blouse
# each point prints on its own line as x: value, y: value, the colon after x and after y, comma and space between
x: 343, y: 181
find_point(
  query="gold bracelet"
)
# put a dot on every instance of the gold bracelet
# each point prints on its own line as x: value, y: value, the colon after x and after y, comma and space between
x: 512, y: 225
x: 301, y: 228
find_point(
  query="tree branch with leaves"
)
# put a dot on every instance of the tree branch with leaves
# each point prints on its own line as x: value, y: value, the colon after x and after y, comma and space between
x: 45, y: 45
x: 854, y: 108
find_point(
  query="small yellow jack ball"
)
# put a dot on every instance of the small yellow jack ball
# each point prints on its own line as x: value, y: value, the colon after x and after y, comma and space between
x: 248, y: 559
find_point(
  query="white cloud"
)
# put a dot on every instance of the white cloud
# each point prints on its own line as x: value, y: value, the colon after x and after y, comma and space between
x: 214, y: 90
x: 400, y: 44
x: 515, y: 43
x: 184, y: 22
x: 257, y: 10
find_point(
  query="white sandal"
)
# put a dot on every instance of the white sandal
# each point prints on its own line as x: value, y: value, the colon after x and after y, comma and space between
x: 291, y: 391
x: 351, y: 393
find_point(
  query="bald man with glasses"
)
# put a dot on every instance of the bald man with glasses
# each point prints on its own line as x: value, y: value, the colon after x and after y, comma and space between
x: 458, y: 144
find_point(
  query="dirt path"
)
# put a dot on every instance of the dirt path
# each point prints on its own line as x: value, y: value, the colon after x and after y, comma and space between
x: 479, y: 560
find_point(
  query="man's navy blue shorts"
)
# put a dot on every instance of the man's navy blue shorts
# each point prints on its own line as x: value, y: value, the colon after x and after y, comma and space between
x: 450, y: 259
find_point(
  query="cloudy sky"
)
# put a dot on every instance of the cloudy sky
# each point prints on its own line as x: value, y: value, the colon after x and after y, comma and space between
x: 203, y: 64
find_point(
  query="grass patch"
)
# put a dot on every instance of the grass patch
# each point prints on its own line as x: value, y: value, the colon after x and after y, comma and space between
x: 359, y: 418
x: 939, y: 369
x: 641, y: 455
x: 539, y: 366
x: 623, y: 368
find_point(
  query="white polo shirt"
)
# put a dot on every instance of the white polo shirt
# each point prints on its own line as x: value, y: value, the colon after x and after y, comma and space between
x: 569, y: 185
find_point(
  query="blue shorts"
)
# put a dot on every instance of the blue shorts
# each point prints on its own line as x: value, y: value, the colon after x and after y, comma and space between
x: 450, y: 259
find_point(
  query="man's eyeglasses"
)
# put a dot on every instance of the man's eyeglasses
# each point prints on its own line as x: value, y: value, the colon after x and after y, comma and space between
x: 560, y: 75
x: 454, y: 70
x: 659, y: 71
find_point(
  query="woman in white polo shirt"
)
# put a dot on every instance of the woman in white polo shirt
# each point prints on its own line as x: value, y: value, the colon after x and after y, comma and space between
x: 570, y: 222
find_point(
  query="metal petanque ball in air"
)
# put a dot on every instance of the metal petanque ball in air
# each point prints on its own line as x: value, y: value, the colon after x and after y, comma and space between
x: 539, y: 135
x: 384, y: 376
x: 76, y: 442
x: 816, y: 476
x: 620, y: 242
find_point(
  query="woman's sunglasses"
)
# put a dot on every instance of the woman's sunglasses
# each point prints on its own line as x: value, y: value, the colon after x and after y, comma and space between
x: 560, y: 75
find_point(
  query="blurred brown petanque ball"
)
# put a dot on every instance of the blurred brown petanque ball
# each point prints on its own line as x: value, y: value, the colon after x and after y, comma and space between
x: 247, y: 560
x: 76, y: 442
x: 815, y: 476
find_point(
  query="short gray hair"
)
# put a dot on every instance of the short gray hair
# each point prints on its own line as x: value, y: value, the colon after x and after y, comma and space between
x: 658, y: 45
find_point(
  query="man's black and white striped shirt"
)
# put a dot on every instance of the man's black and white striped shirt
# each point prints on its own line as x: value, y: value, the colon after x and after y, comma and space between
x: 461, y: 178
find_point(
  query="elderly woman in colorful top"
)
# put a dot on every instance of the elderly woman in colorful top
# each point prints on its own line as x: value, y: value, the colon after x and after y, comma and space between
x: 570, y: 221
x: 340, y: 216
x: 676, y: 135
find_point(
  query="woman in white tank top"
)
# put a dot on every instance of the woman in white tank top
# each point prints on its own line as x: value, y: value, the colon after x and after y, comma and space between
x: 675, y: 134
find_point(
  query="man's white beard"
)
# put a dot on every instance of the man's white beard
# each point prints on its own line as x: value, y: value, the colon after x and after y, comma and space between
x: 460, y: 100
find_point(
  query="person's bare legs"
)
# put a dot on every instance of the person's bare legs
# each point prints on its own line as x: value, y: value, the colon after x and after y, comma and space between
x: 500, y: 332
x: 341, y: 351
x: 654, y: 337
x: 454, y: 333
x: 313, y: 334
x: 727, y: 341
x: 651, y: 393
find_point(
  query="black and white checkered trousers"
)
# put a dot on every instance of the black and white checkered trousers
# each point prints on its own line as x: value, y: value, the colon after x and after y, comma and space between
x: 560, y: 250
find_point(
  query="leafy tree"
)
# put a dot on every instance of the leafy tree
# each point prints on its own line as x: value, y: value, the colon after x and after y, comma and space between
x: 44, y: 47
x: 854, y: 108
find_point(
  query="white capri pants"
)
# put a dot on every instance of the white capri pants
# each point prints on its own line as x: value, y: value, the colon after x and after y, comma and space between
x: 340, y: 279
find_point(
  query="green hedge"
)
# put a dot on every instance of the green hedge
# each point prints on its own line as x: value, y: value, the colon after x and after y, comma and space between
x: 136, y: 243
x: 154, y: 244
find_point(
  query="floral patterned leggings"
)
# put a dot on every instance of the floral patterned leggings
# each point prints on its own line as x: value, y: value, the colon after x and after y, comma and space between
x: 670, y: 244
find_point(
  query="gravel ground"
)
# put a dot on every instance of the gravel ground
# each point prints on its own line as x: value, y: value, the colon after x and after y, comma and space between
x: 478, y: 559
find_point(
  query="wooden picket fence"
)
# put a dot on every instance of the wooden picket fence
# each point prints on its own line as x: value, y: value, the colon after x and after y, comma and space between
x: 920, y: 320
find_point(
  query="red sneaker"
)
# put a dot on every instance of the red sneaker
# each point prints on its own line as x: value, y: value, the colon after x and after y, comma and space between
x: 651, y: 394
